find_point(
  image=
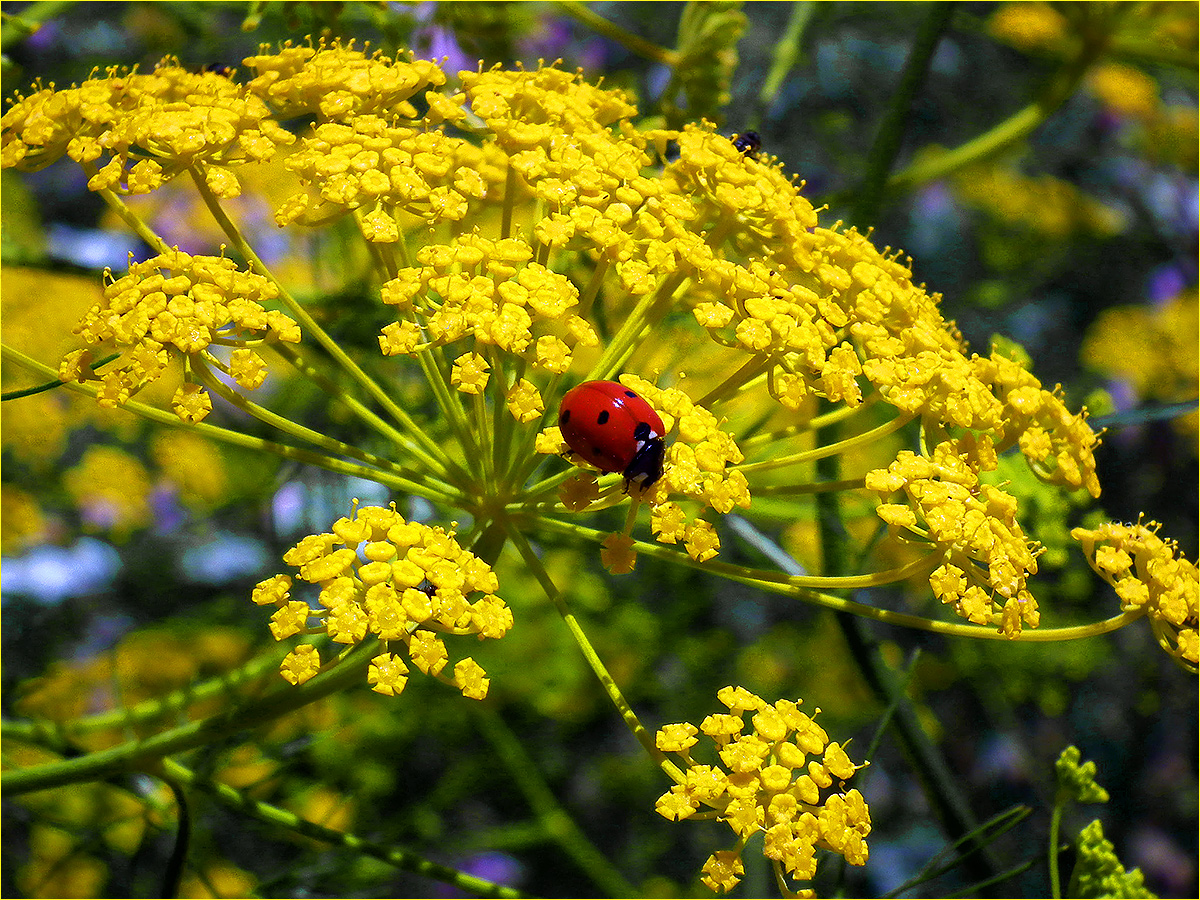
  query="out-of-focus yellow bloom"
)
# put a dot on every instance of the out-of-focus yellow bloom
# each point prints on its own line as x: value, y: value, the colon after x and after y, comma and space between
x: 1149, y: 573
x: 112, y: 489
x: 1029, y: 26
x: 783, y: 778
x: 408, y: 585
x: 193, y: 465
x: 1043, y: 206
x: 1129, y: 91
x: 21, y: 520
x: 1153, y: 348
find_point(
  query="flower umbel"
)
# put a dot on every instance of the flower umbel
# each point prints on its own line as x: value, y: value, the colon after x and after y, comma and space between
x: 407, y: 584
x: 178, y: 304
x: 1149, y: 574
x: 779, y: 779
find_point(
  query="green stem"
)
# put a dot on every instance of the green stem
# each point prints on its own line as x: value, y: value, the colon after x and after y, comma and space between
x: 1055, y: 825
x: 437, y: 464
x: 784, y: 57
x: 63, y: 736
x: 50, y: 385
x: 238, y: 439
x: 630, y: 41
x: 589, y: 653
x: 1010, y: 131
x: 135, y: 755
x: 307, y: 323
x: 555, y: 820
x: 882, y: 155
x: 831, y: 450
x: 790, y: 586
x: 287, y: 426
x: 276, y: 817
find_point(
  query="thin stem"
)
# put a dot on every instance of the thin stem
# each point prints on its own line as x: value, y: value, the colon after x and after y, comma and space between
x: 789, y: 586
x: 830, y: 449
x: 630, y: 41
x: 294, y: 429
x: 437, y: 464
x: 307, y: 323
x: 886, y: 146
x: 50, y: 385
x: 640, y: 318
x: 133, y: 754
x: 133, y: 220
x: 239, y: 439
x: 1010, y: 131
x: 784, y: 57
x: 277, y: 817
x: 557, y: 823
x: 589, y: 653
x: 1055, y: 824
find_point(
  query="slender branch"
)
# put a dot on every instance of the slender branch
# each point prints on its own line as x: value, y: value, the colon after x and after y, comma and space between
x: 277, y: 817
x: 630, y: 41
x: 791, y: 586
x: 883, y: 152
x: 589, y: 652
x: 558, y: 824
x: 239, y: 439
x: 307, y: 323
x: 133, y: 755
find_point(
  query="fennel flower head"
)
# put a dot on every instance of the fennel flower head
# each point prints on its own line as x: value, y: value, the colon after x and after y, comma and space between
x: 525, y: 234
x: 529, y: 235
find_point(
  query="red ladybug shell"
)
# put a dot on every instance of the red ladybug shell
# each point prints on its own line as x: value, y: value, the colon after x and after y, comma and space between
x: 614, y: 429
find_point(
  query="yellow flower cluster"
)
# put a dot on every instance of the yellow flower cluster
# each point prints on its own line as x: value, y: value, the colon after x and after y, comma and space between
x: 491, y: 292
x: 132, y: 132
x: 968, y: 522
x: 778, y: 779
x: 384, y: 170
x: 1148, y: 573
x: 404, y: 582
x: 594, y: 222
x: 111, y: 489
x: 183, y: 303
x: 339, y: 83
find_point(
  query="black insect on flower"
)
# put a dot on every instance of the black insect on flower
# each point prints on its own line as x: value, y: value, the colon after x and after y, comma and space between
x: 748, y: 142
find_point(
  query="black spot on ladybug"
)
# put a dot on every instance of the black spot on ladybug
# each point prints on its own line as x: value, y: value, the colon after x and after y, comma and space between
x: 602, y: 418
x: 642, y: 431
x: 564, y: 417
x: 629, y: 393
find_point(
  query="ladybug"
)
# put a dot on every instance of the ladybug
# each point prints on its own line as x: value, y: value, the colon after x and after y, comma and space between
x: 614, y: 429
x: 748, y: 143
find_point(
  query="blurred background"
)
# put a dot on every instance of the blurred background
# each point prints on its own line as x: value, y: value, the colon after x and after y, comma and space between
x: 129, y: 553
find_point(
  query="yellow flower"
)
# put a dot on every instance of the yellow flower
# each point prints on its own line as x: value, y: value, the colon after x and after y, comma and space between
x: 1149, y: 573
x: 778, y: 783
x: 182, y: 119
x: 470, y: 373
x: 112, y: 490
x: 301, y: 664
x: 178, y: 303
x: 338, y: 82
x: 408, y: 584
x: 969, y: 523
